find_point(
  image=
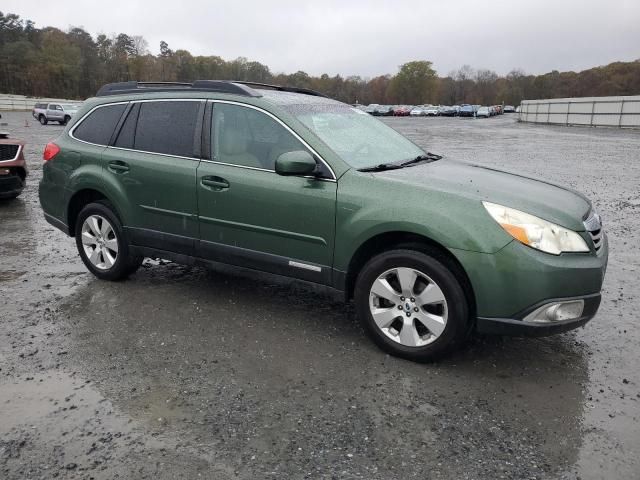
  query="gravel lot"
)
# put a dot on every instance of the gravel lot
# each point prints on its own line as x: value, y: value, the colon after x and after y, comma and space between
x: 186, y: 372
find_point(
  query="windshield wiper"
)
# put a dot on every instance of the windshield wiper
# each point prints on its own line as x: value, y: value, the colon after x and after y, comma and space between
x: 381, y: 167
x: 428, y: 157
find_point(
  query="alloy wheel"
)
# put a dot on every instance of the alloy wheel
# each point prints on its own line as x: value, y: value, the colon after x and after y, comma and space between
x: 99, y: 242
x: 408, y: 307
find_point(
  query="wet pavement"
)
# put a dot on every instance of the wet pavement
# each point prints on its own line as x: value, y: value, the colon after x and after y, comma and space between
x: 184, y: 372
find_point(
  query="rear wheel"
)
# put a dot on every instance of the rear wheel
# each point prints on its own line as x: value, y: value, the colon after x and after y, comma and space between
x: 101, y: 243
x: 411, y: 304
x: 10, y: 196
x: 43, y: 120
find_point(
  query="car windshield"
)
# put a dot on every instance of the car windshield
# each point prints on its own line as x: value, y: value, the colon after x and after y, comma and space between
x: 359, y: 139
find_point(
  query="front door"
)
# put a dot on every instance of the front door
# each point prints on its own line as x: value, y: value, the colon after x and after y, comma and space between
x: 154, y: 161
x: 253, y: 217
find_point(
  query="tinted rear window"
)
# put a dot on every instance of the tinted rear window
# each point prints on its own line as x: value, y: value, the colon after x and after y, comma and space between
x: 127, y: 134
x: 99, y: 125
x: 167, y: 127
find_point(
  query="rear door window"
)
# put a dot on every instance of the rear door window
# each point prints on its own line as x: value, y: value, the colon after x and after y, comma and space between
x: 127, y: 134
x: 99, y: 125
x: 167, y: 127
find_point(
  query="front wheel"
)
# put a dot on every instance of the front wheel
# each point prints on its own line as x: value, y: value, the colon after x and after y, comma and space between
x: 411, y: 304
x: 101, y: 243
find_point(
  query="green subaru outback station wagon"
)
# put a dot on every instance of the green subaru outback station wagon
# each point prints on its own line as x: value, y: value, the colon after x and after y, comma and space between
x: 287, y: 181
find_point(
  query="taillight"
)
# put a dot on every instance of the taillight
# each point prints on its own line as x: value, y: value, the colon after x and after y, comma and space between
x: 50, y: 151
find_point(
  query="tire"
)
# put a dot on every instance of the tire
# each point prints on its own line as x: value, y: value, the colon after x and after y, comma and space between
x: 113, y: 259
x: 439, y: 301
x: 65, y: 121
x: 43, y: 120
x: 13, y: 196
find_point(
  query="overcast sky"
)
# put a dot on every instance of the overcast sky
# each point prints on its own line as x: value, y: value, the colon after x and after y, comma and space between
x: 367, y: 37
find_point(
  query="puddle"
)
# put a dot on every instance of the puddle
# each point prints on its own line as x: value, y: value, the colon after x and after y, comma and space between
x: 9, y: 275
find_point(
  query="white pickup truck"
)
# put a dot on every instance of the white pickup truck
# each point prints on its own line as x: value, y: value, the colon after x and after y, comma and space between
x: 54, y: 112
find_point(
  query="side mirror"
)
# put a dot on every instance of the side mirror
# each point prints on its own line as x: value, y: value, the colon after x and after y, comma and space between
x: 299, y: 162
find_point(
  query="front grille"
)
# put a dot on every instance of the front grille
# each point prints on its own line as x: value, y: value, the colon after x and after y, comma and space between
x: 596, y: 236
x: 8, y: 152
x: 593, y: 224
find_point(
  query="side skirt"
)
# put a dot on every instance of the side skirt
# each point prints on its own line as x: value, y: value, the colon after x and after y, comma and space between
x: 183, y: 259
x: 242, y: 257
x: 190, y: 251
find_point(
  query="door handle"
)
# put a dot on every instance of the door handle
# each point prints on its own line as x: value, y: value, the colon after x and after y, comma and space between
x: 118, y: 167
x: 216, y: 183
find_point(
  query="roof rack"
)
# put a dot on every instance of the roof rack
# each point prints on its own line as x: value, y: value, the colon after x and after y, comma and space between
x: 305, y: 91
x: 221, y: 86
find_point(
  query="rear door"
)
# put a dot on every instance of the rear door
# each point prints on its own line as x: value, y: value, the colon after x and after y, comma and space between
x: 55, y: 112
x: 153, y: 162
x: 251, y: 216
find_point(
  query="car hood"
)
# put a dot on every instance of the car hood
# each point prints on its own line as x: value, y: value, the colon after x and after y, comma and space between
x: 554, y: 203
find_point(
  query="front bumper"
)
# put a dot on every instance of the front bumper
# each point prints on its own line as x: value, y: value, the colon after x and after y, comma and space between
x: 11, y: 184
x: 516, y: 280
x: 519, y: 327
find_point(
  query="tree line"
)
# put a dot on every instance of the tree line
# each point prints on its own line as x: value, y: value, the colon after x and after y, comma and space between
x: 49, y: 62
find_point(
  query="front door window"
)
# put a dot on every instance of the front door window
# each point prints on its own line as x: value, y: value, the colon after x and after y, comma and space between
x: 249, y: 138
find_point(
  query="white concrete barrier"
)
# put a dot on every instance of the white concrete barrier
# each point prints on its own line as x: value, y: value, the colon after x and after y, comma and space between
x: 588, y: 111
x: 22, y: 103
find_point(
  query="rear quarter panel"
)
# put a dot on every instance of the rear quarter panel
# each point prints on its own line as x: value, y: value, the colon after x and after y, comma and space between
x: 76, y: 167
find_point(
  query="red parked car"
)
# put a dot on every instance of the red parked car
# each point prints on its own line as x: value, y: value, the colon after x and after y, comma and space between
x: 13, y: 168
x: 402, y: 111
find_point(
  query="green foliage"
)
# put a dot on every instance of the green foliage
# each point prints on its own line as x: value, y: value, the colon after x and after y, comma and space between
x: 415, y: 83
x: 48, y: 62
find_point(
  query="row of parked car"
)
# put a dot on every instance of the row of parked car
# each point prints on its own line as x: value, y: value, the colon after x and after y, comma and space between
x: 464, y: 110
x: 62, y: 113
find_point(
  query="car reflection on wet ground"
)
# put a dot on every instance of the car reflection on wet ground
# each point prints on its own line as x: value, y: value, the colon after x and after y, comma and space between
x: 227, y: 373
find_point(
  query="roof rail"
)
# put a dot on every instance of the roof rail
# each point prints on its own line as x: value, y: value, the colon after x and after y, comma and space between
x: 222, y: 86
x: 281, y: 88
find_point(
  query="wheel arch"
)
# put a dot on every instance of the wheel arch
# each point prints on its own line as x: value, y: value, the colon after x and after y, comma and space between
x: 79, y: 200
x: 393, y: 240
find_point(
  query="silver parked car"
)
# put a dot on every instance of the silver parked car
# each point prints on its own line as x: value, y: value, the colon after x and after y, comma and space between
x: 484, y: 112
x: 54, y: 112
x: 432, y: 111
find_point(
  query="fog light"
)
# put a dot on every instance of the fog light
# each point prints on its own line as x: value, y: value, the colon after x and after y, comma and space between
x: 557, y: 312
x: 4, y: 171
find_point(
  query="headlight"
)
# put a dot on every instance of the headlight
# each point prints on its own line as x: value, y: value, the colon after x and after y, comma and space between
x: 535, y: 232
